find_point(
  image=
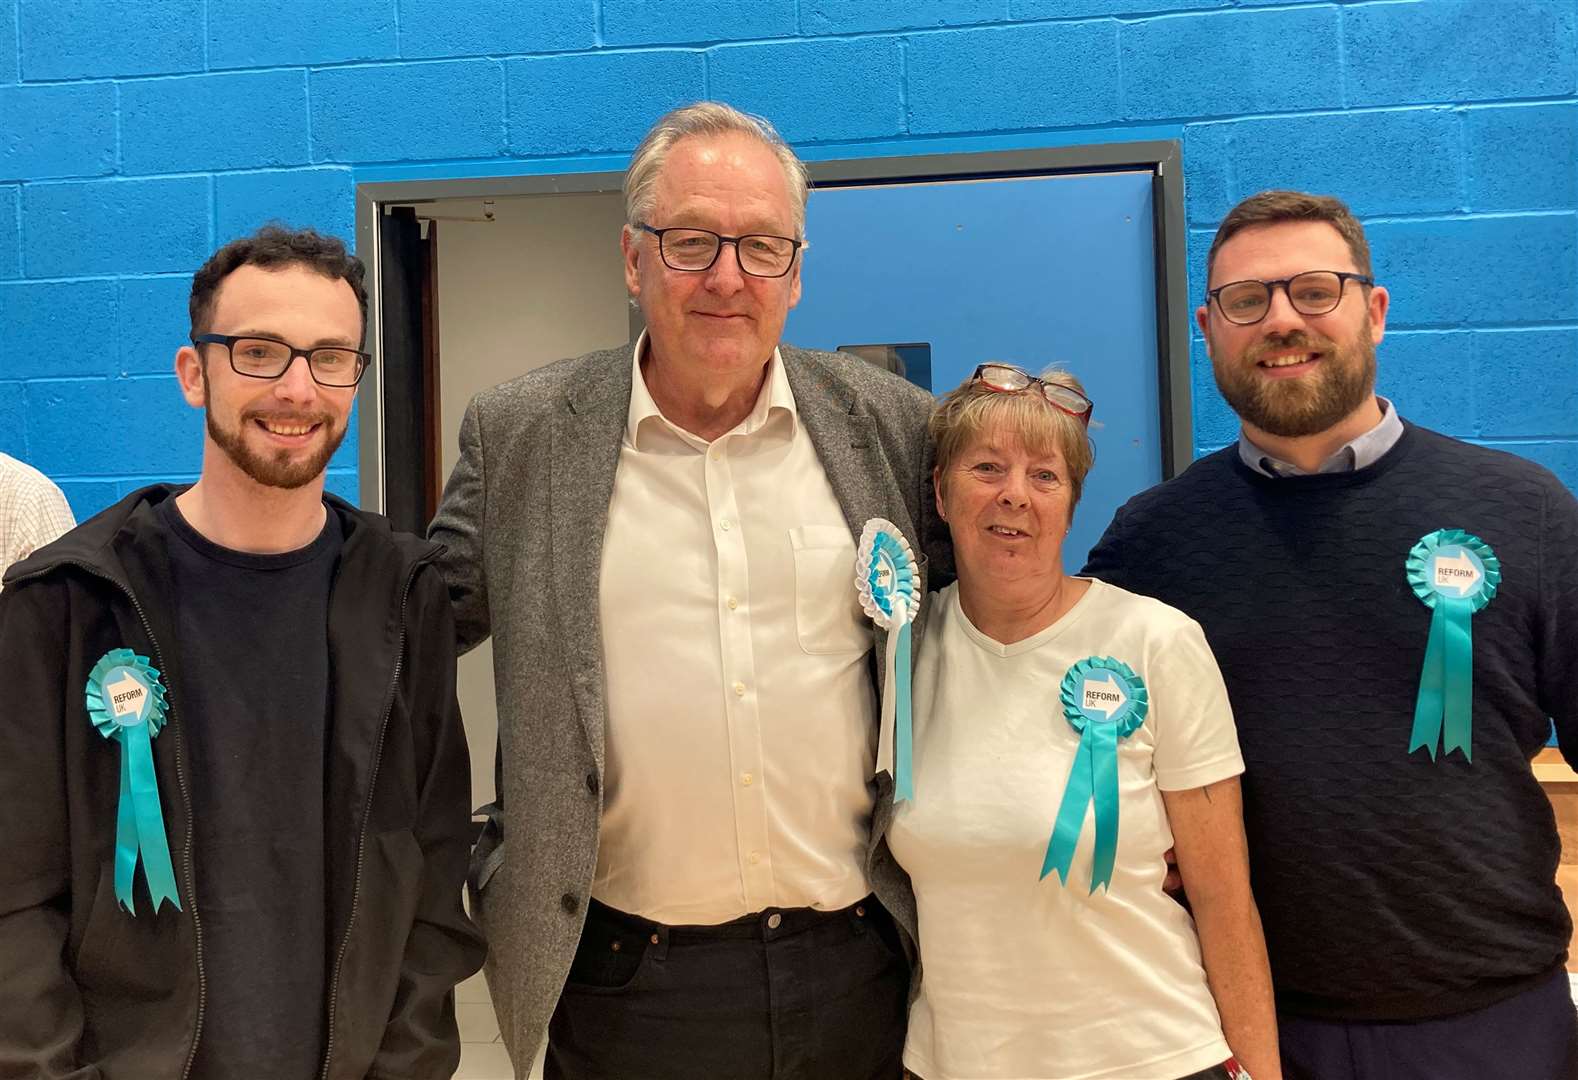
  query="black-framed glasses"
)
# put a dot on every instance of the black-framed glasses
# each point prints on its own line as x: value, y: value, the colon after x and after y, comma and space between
x: 1007, y: 379
x: 1314, y: 292
x: 269, y: 358
x: 694, y: 250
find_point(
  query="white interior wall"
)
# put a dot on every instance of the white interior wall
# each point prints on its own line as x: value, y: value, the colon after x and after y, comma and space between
x: 543, y: 280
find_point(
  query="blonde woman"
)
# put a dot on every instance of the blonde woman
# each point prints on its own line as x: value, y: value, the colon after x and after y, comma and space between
x: 1067, y: 733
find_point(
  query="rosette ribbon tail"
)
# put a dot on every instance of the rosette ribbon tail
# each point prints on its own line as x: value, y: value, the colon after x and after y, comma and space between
x: 140, y: 825
x: 1444, y: 710
x: 1104, y: 771
x: 1071, y: 811
x: 904, y: 724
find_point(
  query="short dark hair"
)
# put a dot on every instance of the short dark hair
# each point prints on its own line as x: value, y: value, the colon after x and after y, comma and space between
x: 277, y: 246
x: 1275, y: 207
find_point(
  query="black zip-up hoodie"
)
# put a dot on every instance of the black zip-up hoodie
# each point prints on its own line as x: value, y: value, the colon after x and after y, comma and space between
x: 88, y: 991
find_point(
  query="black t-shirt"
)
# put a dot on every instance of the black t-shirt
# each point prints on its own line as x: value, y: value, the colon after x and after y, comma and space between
x: 252, y: 658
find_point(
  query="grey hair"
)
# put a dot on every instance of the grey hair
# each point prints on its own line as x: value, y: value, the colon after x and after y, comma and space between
x: 708, y: 118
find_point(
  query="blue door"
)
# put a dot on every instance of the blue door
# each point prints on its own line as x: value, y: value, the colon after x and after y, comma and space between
x: 1034, y: 271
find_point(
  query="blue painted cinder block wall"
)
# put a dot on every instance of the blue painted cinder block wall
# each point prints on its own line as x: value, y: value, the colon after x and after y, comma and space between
x: 137, y: 135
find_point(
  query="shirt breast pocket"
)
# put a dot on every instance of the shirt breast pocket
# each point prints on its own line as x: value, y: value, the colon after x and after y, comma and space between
x: 828, y: 619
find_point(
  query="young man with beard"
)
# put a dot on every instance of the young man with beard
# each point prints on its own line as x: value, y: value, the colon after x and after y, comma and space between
x: 235, y: 778
x: 1393, y: 613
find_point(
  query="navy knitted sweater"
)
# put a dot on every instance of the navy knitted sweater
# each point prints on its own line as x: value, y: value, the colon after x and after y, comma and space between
x: 1392, y: 887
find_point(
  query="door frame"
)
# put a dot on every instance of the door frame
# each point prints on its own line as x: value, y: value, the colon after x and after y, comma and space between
x: 1163, y: 158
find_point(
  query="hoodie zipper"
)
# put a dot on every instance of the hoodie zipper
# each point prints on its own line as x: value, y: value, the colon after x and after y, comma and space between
x: 361, y: 835
x: 186, y: 796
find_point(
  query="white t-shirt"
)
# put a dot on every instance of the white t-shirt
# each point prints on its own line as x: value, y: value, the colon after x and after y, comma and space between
x: 1027, y: 978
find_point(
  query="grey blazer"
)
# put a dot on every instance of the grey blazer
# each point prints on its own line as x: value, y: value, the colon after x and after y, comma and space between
x: 522, y: 520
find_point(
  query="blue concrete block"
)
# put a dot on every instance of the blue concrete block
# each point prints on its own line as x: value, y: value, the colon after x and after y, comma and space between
x: 346, y: 483
x: 1459, y: 50
x: 244, y: 33
x: 1227, y: 63
x: 1560, y: 457
x: 1478, y: 270
x: 8, y: 68
x: 408, y: 112
x: 322, y: 199
x: 163, y: 435
x: 647, y: 22
x: 1429, y: 376
x: 1057, y: 75
x: 1522, y: 157
x: 1207, y: 168
x: 486, y: 27
x: 72, y: 39
x: 236, y: 121
x: 115, y: 226
x: 596, y: 101
x: 822, y: 90
x: 1215, y: 423
x: 10, y: 233
x: 1071, y: 9
x: 87, y: 497
x: 347, y: 456
x: 55, y: 329
x: 57, y: 411
x: 153, y: 323
x: 13, y: 420
x: 1199, y: 246
x: 1331, y: 154
x: 1527, y: 382
x: 57, y: 131
x: 858, y: 16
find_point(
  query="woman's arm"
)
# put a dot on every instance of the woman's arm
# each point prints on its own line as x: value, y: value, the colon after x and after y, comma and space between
x: 1213, y: 858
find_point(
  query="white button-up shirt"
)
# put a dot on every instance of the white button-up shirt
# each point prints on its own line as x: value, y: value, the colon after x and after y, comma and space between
x: 741, y: 712
x: 33, y: 512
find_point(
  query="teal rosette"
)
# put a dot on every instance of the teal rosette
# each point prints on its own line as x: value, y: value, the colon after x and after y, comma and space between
x: 125, y: 703
x: 1104, y: 701
x: 889, y: 589
x: 1454, y: 574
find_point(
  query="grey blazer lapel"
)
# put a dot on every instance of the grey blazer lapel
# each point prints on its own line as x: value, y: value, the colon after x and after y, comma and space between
x: 861, y: 476
x: 586, y: 437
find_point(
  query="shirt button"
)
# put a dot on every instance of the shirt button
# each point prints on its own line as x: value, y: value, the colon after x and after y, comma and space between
x: 745, y: 778
x: 726, y: 524
x: 754, y: 857
x: 591, y: 782
x: 733, y: 603
x: 716, y: 454
x: 774, y: 921
x: 739, y: 689
x: 569, y: 902
x: 654, y: 938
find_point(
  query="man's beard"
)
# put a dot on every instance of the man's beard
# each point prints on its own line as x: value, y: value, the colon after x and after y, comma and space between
x: 280, y: 470
x: 1291, y: 408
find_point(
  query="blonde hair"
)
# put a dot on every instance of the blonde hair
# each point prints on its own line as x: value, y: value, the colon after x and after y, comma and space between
x: 708, y: 118
x: 967, y: 412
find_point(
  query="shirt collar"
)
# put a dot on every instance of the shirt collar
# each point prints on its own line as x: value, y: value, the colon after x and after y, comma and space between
x: 775, y: 399
x: 1357, y: 453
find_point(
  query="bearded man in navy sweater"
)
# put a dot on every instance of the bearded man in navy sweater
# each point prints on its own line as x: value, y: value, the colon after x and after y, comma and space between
x: 1396, y: 616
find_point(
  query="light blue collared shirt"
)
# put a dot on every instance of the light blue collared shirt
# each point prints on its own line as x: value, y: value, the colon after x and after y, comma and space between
x: 1358, y: 453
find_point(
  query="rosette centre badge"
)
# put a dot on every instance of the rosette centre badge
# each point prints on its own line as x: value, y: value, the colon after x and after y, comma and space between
x: 125, y: 703
x: 888, y: 585
x: 1103, y: 701
x: 1454, y: 574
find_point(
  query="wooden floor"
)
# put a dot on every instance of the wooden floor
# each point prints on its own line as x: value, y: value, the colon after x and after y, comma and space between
x: 1561, y: 784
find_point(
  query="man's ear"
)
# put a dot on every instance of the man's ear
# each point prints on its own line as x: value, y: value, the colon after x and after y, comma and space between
x: 630, y: 247
x: 189, y: 372
x: 936, y: 490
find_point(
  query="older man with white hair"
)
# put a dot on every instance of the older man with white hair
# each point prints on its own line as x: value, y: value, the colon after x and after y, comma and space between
x: 686, y: 872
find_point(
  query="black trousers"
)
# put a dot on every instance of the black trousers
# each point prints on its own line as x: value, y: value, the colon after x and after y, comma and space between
x: 1530, y: 1036
x: 790, y: 994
